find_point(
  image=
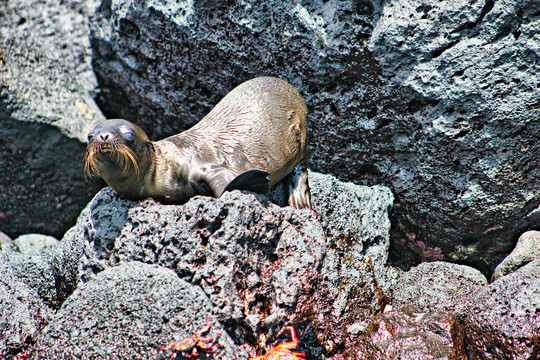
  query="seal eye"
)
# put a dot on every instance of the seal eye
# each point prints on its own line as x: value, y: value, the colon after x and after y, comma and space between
x: 129, y: 136
x: 90, y: 137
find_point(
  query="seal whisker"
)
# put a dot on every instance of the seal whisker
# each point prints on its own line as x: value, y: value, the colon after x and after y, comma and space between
x: 124, y: 155
x: 127, y: 157
x: 90, y: 160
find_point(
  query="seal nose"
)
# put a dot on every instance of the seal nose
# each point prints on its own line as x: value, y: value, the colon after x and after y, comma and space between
x: 105, y: 136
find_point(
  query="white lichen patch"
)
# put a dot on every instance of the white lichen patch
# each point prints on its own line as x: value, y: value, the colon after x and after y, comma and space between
x: 181, y: 12
x: 312, y: 22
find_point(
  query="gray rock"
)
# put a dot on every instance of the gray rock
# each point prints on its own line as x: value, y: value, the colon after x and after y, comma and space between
x: 503, y: 320
x: 22, y: 312
x: 468, y: 66
x: 30, y: 258
x: 349, y: 213
x: 355, y: 214
x: 354, y: 280
x: 5, y: 242
x: 248, y: 255
x: 34, y: 244
x: 130, y: 311
x: 36, y: 272
x: 45, y: 80
x: 437, y: 286
x: 424, y: 108
x: 527, y: 249
x: 262, y: 266
x: 46, y: 66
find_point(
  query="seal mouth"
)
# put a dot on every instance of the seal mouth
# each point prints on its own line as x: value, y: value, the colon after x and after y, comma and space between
x: 114, y: 150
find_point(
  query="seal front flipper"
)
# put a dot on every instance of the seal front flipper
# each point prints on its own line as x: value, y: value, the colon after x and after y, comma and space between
x: 252, y: 180
x: 222, y: 179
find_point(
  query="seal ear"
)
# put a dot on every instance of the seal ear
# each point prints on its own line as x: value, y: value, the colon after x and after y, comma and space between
x: 222, y: 179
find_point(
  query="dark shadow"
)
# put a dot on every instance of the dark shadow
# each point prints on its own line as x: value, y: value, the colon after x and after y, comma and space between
x: 42, y: 187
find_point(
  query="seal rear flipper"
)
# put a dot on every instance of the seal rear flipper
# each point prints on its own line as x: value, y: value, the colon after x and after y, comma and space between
x: 252, y: 180
x: 298, y: 188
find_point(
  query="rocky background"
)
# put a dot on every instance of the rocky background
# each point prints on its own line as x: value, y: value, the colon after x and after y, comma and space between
x: 47, y: 88
x: 438, y: 102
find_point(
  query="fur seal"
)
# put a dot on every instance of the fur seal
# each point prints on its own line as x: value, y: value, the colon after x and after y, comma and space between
x: 252, y: 139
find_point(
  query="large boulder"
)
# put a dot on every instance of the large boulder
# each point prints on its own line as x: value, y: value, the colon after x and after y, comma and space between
x: 437, y: 286
x: 262, y: 266
x: 503, y: 320
x: 437, y: 100
x: 22, y: 312
x: 468, y: 179
x: 130, y: 311
x: 46, y: 108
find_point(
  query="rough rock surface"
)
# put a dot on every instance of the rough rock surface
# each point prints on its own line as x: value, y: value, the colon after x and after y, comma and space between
x: 229, y: 246
x: 527, y: 249
x: 437, y: 286
x: 442, y: 105
x: 503, y: 320
x: 474, y: 160
x: 45, y: 79
x: 36, y: 272
x: 408, y: 335
x: 5, y: 241
x: 352, y: 214
x: 46, y: 70
x: 262, y: 266
x: 438, y: 100
x: 129, y: 311
x: 33, y: 244
x: 22, y: 312
x: 354, y: 280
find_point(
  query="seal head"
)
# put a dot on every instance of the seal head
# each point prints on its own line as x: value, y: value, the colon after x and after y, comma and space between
x: 119, y: 152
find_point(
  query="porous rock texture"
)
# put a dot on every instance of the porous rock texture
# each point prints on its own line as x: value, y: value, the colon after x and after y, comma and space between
x: 36, y: 272
x: 438, y: 100
x: 128, y: 312
x: 437, y: 286
x: 262, y: 266
x: 503, y: 321
x: 23, y: 314
x: 354, y: 278
x: 408, y: 335
x: 46, y: 108
x: 214, y: 243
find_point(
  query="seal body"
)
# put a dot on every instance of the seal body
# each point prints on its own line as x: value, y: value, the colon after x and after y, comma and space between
x: 252, y: 139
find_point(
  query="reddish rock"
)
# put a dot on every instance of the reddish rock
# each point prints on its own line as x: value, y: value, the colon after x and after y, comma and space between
x: 437, y: 286
x: 503, y: 321
x: 407, y: 335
